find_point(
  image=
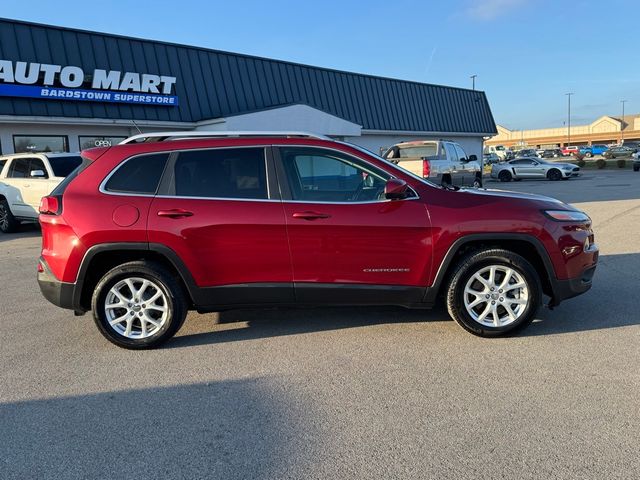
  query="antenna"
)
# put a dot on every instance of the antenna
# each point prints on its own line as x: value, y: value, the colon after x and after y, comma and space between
x: 136, y: 125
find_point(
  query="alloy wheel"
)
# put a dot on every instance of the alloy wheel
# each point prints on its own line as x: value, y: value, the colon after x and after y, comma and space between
x: 136, y: 308
x: 4, y: 218
x: 496, y: 296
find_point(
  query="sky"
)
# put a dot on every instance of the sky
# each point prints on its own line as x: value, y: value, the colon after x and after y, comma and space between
x: 526, y: 53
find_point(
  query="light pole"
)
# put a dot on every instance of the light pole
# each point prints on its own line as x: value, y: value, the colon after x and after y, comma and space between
x: 569, y: 119
x: 473, y: 81
x: 622, y: 122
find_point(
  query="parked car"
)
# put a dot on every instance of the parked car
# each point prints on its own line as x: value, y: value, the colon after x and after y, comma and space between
x: 439, y: 161
x: 509, y: 155
x: 143, y: 232
x: 618, y: 152
x: 636, y: 162
x: 635, y: 146
x: 498, y: 150
x: 591, y: 150
x: 521, y: 168
x: 540, y: 152
x: 490, y: 158
x: 527, y: 152
x: 27, y: 177
x: 551, y: 153
x: 570, y: 150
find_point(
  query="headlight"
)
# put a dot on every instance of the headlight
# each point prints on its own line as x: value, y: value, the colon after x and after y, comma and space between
x: 567, y: 215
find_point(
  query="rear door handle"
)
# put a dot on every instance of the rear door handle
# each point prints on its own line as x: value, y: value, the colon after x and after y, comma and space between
x: 310, y: 215
x: 175, y: 213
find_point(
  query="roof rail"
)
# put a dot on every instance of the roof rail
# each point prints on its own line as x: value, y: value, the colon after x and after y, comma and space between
x: 164, y: 136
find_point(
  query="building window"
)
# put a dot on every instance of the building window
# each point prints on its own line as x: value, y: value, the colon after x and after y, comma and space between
x: 92, y: 142
x: 40, y: 143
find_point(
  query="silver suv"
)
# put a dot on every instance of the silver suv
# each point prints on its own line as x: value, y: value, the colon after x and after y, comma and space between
x: 442, y: 162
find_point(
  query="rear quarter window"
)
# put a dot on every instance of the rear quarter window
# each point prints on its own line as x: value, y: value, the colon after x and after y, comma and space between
x: 138, y: 175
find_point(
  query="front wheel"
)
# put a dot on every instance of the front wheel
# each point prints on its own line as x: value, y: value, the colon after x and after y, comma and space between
x: 477, y: 182
x: 138, y: 305
x: 8, y: 222
x: 554, y: 174
x: 493, y: 292
x: 504, y: 176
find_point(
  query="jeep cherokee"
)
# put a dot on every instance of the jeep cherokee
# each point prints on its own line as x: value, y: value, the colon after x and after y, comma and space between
x: 144, y: 231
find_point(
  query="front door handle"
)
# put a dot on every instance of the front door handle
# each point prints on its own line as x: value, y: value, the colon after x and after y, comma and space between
x: 175, y: 213
x: 310, y: 215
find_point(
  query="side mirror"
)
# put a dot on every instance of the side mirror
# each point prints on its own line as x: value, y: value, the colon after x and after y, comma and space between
x: 473, y: 158
x: 396, y: 189
x: 37, y: 174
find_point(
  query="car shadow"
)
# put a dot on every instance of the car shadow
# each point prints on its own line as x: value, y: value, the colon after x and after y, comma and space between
x: 616, y: 279
x: 25, y: 230
x: 233, y: 429
x: 252, y: 324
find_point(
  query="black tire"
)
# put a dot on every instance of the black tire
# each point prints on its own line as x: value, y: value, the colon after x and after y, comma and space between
x: 588, y: 155
x: 165, y: 282
x: 505, y: 176
x: 8, y: 223
x: 475, y: 262
x: 446, y: 180
x: 477, y: 183
x: 635, y: 169
x: 554, y: 174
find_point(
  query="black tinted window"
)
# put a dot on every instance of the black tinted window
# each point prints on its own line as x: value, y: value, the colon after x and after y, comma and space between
x: 139, y: 174
x: 221, y: 173
x: 2, y: 162
x: 19, y: 168
x: 63, y: 166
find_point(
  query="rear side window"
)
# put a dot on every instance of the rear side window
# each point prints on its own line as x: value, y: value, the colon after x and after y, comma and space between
x: 222, y: 173
x: 63, y: 166
x: 138, y: 175
x: 19, y: 168
x: 2, y: 163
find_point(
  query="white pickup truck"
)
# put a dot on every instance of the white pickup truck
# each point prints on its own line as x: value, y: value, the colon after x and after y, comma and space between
x: 27, y: 177
x: 442, y: 162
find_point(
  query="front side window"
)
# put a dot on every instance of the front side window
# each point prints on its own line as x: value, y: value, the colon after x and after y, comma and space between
x: 319, y: 176
x: 138, y: 175
x: 235, y: 173
x: 459, y: 152
x: 38, y: 165
x: 40, y: 143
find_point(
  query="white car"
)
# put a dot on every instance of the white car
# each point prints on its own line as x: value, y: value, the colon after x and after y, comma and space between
x: 27, y: 177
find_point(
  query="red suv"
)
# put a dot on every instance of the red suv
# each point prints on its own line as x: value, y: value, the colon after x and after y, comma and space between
x: 144, y: 231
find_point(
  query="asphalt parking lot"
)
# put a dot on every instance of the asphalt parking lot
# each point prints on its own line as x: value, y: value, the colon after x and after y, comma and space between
x: 334, y: 393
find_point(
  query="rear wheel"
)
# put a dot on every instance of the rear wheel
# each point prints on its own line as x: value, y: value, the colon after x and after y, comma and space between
x: 493, y: 292
x: 588, y: 155
x: 554, y: 174
x: 138, y: 305
x: 635, y: 169
x: 504, y: 176
x: 8, y: 222
x: 446, y: 180
x: 477, y: 183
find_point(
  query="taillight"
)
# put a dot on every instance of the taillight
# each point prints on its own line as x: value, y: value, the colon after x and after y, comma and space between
x: 426, y: 168
x: 51, y: 205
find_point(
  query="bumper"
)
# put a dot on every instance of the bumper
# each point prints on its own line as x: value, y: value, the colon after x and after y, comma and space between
x: 59, y: 293
x: 565, y: 289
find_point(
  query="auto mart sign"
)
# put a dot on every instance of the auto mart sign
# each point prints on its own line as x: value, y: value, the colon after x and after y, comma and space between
x: 48, y: 81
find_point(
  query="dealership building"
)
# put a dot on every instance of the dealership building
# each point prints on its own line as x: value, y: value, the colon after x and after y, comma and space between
x: 64, y: 89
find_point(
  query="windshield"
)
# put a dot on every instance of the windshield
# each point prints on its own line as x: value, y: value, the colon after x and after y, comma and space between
x: 63, y: 166
x: 500, y: 148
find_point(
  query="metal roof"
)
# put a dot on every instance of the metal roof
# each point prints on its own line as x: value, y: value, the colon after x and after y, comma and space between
x: 214, y: 84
